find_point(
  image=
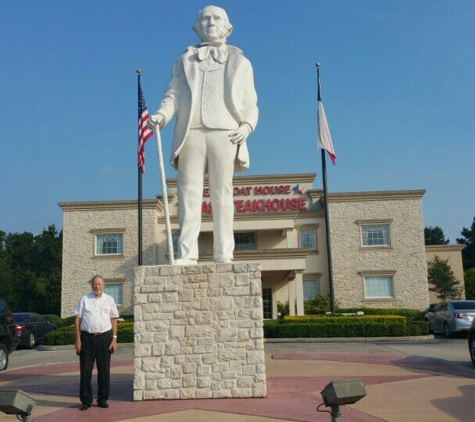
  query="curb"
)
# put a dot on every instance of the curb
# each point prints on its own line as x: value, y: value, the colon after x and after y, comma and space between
x: 45, y: 348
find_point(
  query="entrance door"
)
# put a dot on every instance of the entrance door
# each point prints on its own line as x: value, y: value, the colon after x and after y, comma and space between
x: 267, y: 303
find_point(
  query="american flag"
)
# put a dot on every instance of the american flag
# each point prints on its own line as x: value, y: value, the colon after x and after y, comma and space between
x: 324, y: 137
x: 144, y: 132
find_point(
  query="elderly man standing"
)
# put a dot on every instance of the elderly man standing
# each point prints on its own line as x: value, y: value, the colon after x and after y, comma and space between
x: 96, y: 339
x: 211, y: 93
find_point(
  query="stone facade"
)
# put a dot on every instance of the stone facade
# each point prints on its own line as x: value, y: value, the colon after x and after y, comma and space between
x: 198, y: 332
x: 81, y: 222
x: 404, y: 258
x: 286, y: 266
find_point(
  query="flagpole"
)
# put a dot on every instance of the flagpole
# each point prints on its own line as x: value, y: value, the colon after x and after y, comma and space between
x: 327, y: 219
x: 139, y: 253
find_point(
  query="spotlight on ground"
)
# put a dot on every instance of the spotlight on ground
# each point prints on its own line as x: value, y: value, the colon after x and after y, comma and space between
x: 18, y: 403
x: 340, y: 393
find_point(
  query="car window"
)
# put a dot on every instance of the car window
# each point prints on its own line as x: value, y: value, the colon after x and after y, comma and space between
x: 19, y: 318
x: 440, y: 307
x: 465, y: 304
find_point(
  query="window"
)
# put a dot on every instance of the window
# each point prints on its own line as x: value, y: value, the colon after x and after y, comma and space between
x: 379, y: 287
x: 375, y: 235
x: 267, y: 303
x: 308, y: 239
x: 244, y: 241
x: 310, y: 288
x: 109, y: 244
x: 116, y: 291
x: 175, y: 239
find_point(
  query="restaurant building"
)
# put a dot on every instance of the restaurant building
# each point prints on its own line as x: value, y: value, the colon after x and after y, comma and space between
x: 376, y: 242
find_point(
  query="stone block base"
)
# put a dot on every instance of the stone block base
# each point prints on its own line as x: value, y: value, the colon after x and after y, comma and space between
x: 198, y: 332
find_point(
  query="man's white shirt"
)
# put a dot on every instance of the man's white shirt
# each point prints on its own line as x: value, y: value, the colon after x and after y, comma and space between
x: 96, y: 313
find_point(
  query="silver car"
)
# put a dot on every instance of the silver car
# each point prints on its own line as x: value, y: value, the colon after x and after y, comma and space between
x: 451, y: 316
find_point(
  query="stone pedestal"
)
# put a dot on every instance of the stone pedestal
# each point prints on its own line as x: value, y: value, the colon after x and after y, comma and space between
x: 198, y: 332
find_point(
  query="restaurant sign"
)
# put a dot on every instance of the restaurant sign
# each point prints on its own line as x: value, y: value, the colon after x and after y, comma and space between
x: 263, y: 199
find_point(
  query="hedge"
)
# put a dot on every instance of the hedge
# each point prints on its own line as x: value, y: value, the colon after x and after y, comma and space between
x: 375, y: 323
x: 341, y: 319
x: 341, y: 328
x: 66, y: 335
x: 409, y: 314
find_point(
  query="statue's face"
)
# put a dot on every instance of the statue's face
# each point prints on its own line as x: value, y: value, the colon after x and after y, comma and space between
x: 212, y: 25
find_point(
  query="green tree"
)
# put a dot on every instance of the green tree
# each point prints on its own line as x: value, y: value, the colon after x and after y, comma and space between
x: 19, y: 251
x: 48, y: 259
x: 468, y: 252
x: 469, y: 279
x: 7, y: 290
x: 442, y: 279
x: 30, y: 270
x: 435, y: 236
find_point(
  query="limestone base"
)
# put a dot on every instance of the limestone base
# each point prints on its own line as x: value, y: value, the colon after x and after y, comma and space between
x: 198, y: 332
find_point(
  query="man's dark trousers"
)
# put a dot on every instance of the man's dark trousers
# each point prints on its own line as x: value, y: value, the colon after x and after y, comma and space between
x: 94, y: 348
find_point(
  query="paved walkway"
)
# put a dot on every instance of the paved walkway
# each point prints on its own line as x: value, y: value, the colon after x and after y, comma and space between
x: 399, y: 388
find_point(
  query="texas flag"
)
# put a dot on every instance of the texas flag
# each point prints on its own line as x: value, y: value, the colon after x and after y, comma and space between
x: 324, y: 137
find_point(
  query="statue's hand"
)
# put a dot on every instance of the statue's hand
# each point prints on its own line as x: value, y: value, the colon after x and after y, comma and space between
x: 240, y: 134
x: 154, y: 121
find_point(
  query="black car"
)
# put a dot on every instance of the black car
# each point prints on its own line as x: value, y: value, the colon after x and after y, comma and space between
x: 471, y: 342
x: 8, y: 340
x: 31, y: 328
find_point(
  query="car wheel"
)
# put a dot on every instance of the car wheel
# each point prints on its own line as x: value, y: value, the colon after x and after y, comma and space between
x: 447, y: 333
x: 31, y: 341
x: 3, y: 357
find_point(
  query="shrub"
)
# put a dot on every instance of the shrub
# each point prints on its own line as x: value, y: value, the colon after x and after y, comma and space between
x: 128, y: 317
x: 66, y: 335
x: 409, y: 314
x: 318, y: 305
x: 283, y: 308
x: 61, y: 336
x: 58, y: 321
x: 341, y: 326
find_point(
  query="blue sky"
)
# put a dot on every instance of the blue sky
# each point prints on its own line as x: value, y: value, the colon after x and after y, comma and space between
x: 398, y: 87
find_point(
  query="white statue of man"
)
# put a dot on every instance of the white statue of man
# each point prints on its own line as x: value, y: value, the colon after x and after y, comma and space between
x: 211, y: 92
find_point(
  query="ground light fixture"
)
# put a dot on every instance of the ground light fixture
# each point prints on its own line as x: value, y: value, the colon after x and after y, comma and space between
x: 18, y: 403
x: 340, y: 393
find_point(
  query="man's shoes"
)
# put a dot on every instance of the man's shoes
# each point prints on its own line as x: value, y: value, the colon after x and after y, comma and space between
x: 224, y: 261
x: 103, y: 404
x: 85, y: 406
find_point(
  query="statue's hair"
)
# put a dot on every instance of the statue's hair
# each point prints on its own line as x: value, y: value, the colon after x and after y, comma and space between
x: 227, y: 25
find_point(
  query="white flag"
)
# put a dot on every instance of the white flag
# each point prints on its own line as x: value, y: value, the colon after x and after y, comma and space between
x: 324, y: 137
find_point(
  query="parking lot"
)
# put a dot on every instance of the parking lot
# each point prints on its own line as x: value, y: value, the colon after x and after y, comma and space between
x: 453, y: 350
x: 393, y: 370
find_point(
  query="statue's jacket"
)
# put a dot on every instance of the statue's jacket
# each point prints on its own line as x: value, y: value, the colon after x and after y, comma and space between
x: 180, y: 98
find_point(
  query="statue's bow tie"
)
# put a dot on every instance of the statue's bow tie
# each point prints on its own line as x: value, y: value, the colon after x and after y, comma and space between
x: 219, y: 54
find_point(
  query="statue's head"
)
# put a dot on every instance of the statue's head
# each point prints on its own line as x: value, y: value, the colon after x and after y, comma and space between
x: 212, y: 25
